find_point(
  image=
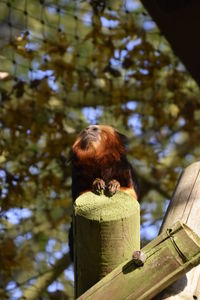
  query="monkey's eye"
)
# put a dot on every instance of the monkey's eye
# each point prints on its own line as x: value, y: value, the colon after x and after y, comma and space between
x: 92, y: 128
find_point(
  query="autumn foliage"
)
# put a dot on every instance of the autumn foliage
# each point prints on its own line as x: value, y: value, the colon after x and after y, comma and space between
x: 64, y: 65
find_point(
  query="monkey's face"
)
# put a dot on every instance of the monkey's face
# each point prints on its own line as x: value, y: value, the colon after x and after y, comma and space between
x: 98, y: 142
x: 90, y: 135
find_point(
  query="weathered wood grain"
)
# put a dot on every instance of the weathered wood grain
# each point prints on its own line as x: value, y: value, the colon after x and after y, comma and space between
x: 185, y: 206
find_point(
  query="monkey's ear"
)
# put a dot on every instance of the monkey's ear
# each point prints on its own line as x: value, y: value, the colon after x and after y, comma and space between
x: 69, y: 157
x: 123, y: 139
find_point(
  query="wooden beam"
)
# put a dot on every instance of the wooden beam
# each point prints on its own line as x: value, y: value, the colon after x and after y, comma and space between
x: 179, y: 21
x: 185, y: 206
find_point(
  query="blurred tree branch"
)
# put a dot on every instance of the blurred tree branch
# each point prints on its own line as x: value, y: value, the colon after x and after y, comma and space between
x: 36, y: 290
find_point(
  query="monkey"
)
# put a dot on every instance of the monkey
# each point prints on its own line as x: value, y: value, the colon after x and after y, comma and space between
x: 99, y: 164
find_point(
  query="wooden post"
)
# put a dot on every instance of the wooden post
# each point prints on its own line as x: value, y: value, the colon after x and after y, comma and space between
x: 169, y: 256
x: 185, y: 206
x: 106, y: 233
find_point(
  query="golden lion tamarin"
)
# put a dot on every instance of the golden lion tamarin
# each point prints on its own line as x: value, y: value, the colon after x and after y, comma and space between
x: 99, y: 163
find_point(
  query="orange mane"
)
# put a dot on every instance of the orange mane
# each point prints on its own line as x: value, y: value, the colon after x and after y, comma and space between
x: 107, y: 147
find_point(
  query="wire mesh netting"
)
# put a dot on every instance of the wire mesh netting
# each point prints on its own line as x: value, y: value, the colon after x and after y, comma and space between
x: 93, y: 41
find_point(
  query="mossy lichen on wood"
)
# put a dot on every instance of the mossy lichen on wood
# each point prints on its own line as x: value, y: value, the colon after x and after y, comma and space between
x: 106, y: 233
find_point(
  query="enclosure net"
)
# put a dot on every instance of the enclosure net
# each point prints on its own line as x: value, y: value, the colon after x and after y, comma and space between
x: 62, y: 64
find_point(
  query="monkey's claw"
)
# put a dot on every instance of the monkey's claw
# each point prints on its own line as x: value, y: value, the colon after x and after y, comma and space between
x: 98, y: 186
x: 112, y: 187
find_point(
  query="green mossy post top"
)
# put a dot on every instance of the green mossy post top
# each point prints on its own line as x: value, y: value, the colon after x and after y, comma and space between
x: 101, y: 207
x: 106, y: 232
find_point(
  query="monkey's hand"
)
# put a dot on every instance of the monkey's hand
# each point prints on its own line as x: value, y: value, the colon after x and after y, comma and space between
x: 98, y: 186
x: 112, y: 187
